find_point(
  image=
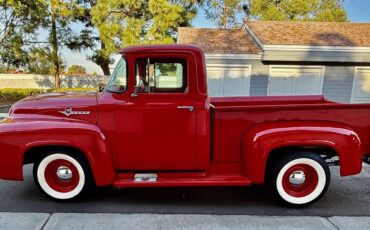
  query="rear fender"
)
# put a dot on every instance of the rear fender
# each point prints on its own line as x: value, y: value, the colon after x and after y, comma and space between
x: 260, y: 140
x: 19, y: 137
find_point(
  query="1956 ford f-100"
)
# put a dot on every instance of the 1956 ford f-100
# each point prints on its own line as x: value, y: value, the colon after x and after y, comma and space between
x: 155, y: 125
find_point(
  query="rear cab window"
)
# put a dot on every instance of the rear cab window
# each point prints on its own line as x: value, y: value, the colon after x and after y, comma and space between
x: 161, y: 75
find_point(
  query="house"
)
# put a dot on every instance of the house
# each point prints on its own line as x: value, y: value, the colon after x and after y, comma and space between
x: 287, y: 58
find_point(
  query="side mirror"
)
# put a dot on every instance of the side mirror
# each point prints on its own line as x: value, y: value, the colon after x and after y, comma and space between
x: 102, y: 87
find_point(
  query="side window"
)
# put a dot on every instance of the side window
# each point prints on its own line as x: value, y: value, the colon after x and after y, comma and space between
x: 161, y: 75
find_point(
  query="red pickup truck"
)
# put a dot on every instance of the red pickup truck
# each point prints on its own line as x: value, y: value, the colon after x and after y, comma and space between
x: 155, y: 125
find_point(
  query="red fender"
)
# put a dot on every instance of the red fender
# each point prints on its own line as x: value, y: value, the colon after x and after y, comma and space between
x: 260, y: 140
x: 18, y: 137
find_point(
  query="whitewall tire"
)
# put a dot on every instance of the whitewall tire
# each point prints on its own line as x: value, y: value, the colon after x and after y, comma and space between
x: 300, y: 179
x: 60, y: 176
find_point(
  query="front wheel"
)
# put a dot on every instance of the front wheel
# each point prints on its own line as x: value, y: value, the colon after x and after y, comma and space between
x: 61, y: 176
x: 300, y: 178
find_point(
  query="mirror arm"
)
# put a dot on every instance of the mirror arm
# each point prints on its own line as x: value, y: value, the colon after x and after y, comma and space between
x: 101, y: 88
x: 134, y: 94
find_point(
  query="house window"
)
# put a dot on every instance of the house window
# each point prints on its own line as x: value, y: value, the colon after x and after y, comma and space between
x: 161, y: 75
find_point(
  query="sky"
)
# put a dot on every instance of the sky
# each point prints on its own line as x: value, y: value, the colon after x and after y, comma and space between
x: 358, y: 11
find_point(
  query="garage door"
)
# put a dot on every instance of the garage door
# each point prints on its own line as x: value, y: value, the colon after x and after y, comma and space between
x: 228, y: 80
x: 361, y: 85
x: 295, y: 80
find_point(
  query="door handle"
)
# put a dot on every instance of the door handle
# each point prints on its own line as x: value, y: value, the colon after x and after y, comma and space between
x: 190, y: 108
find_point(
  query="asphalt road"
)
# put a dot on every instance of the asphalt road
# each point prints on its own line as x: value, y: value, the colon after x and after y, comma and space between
x: 349, y: 196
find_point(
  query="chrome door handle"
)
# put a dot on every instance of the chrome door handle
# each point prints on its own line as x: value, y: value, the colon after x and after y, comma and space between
x: 190, y: 108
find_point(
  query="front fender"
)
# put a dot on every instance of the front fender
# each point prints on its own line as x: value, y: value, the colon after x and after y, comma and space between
x: 260, y: 140
x: 17, y: 137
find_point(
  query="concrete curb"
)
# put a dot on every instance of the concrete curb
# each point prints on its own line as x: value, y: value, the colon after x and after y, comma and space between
x: 156, y: 221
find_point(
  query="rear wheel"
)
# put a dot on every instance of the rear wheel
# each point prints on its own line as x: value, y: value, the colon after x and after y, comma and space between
x: 300, y: 178
x: 61, y: 176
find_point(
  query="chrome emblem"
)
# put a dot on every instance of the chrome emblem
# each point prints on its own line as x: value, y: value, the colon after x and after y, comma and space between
x: 69, y: 111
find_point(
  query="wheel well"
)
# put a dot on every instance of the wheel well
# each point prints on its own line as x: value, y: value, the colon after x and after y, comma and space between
x: 35, y: 154
x: 325, y: 152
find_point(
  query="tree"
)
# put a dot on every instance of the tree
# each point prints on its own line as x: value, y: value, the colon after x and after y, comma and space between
x: 19, y: 19
x: 17, y: 16
x: 224, y: 12
x: 21, y: 32
x: 158, y: 22
x: 123, y: 23
x: 39, y: 61
x: 60, y: 14
x: 75, y: 70
x: 7, y: 69
x: 298, y: 10
x: 89, y: 38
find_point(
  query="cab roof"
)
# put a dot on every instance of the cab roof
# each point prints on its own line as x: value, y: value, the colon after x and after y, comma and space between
x: 161, y: 48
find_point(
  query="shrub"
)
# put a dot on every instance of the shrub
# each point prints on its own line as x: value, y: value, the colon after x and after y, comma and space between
x: 76, y: 70
x: 61, y: 90
x: 12, y: 95
x: 18, y: 94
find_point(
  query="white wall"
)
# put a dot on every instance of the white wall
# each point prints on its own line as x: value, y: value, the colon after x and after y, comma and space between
x: 46, y: 81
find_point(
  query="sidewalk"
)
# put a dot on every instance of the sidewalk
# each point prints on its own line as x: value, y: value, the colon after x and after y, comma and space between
x: 82, y: 221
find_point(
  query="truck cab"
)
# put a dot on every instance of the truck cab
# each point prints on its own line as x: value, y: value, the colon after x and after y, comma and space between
x: 162, y: 92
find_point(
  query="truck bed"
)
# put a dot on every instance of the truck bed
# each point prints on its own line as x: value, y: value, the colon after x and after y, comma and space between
x: 232, y: 116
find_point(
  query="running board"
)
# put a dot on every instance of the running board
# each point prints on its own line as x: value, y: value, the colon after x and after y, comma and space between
x: 125, y: 180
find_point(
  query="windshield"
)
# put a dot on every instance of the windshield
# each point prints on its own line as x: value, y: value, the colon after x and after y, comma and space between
x: 118, y: 80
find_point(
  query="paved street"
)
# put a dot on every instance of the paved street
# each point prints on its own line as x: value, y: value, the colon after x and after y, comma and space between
x: 348, y: 196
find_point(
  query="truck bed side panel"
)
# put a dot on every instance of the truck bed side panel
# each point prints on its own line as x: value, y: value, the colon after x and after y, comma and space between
x: 231, y: 120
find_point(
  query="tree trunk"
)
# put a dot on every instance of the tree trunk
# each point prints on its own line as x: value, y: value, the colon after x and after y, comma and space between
x: 105, y: 67
x: 54, y: 44
x: 225, y: 16
x: 104, y: 62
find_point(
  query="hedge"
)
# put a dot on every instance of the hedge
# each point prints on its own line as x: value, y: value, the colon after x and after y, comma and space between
x: 60, y: 90
x: 12, y: 95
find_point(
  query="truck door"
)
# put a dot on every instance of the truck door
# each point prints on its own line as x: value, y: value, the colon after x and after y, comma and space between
x: 156, y: 129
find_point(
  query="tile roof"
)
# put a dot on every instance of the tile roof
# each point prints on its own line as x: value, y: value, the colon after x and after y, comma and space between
x: 218, y: 41
x: 311, y: 33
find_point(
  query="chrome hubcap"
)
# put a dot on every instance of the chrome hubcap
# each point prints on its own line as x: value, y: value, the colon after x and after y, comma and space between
x: 297, y: 178
x: 64, y: 173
